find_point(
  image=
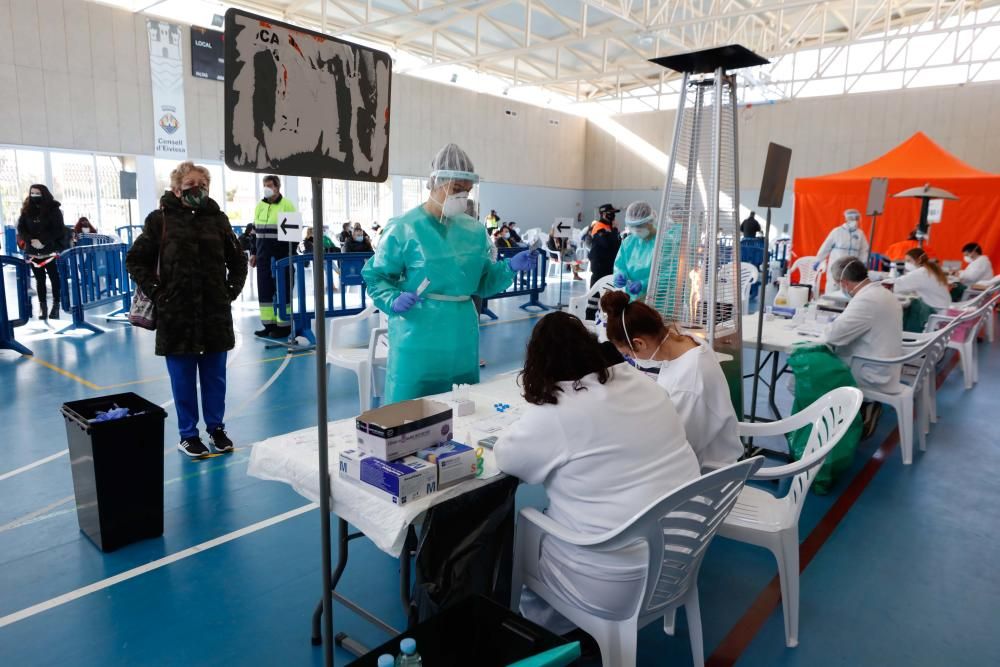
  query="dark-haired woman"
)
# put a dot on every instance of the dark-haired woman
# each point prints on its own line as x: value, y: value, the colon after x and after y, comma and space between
x: 43, y: 234
x: 924, y: 278
x: 605, y: 442
x: 688, y: 370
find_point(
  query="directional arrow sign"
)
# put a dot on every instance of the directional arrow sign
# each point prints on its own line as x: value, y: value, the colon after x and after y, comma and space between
x: 563, y: 228
x: 290, y: 227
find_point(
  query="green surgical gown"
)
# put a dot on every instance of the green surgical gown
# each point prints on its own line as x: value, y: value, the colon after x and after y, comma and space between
x: 635, y: 257
x: 436, y: 343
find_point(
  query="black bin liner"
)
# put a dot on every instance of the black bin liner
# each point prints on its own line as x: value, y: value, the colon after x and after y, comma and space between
x: 117, y: 469
x: 474, y: 632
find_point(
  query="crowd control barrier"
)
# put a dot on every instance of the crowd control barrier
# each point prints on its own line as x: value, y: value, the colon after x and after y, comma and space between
x: 94, y: 276
x: 128, y: 233
x: 752, y: 251
x: 10, y: 241
x: 22, y: 276
x: 347, y: 264
x: 529, y: 283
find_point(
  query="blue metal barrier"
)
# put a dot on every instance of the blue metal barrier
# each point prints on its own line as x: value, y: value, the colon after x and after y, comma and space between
x: 128, y: 233
x: 877, y: 262
x: 95, y: 239
x: 10, y: 241
x: 529, y: 284
x: 22, y: 276
x: 93, y: 276
x: 752, y: 251
x: 347, y: 264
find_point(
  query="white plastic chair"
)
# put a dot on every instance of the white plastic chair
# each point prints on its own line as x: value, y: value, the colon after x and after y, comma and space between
x: 761, y: 519
x: 994, y: 285
x: 975, y: 316
x: 749, y: 274
x: 676, y: 529
x: 921, y: 358
x: 360, y: 360
x: 808, y: 275
x: 578, y: 305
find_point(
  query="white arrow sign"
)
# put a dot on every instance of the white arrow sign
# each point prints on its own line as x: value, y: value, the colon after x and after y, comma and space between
x: 563, y: 228
x: 290, y: 227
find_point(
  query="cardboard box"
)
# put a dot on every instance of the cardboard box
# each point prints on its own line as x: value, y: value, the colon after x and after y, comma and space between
x: 401, y: 429
x: 455, y: 462
x: 399, y: 482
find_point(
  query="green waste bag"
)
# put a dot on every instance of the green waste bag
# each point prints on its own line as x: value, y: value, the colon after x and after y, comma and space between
x: 818, y: 371
x: 557, y: 657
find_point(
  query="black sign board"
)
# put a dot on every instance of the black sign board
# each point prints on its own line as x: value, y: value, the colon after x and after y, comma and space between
x: 772, y: 185
x: 302, y: 103
x: 208, y: 60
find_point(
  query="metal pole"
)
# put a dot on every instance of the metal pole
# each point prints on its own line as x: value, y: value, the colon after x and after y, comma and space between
x: 319, y: 294
x: 760, y: 319
x: 715, y: 192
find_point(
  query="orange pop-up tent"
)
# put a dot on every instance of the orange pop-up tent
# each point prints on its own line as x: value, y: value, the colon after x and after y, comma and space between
x: 820, y: 202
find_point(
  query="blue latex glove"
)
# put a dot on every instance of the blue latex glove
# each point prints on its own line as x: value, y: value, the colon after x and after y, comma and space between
x: 816, y: 266
x: 404, y: 302
x: 634, y: 287
x: 524, y: 261
x: 620, y: 280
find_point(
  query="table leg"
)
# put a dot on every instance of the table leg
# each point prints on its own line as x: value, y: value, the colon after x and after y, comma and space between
x: 404, y: 578
x: 773, y: 386
x: 343, y: 539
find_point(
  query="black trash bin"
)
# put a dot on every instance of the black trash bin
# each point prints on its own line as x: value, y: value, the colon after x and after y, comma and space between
x: 475, y: 631
x: 117, y: 469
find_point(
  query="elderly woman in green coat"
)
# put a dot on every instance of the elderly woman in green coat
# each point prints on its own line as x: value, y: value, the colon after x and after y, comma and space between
x: 189, y: 262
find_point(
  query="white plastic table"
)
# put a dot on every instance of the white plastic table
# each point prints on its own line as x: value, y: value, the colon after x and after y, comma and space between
x: 292, y: 458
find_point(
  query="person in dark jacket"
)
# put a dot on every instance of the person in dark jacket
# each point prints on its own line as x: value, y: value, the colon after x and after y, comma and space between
x: 604, y: 243
x: 359, y: 241
x: 41, y: 230
x: 750, y: 227
x: 201, y: 271
x: 501, y: 238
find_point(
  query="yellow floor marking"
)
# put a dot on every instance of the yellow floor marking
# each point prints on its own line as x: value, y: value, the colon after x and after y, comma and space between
x: 66, y: 373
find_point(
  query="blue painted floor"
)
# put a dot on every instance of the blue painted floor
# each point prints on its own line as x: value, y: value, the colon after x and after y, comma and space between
x: 906, y: 578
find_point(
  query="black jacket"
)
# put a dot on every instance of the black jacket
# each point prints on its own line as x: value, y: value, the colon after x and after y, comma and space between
x: 359, y: 246
x: 202, y: 270
x: 44, y: 223
x: 604, y: 246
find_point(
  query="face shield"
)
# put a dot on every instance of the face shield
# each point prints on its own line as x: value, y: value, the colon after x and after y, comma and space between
x: 451, y: 180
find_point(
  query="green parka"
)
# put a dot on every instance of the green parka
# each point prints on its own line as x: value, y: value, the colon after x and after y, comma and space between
x: 202, y: 270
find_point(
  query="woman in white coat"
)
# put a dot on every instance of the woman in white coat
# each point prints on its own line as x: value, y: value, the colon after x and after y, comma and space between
x: 843, y: 241
x: 924, y: 278
x: 605, y: 442
x: 686, y: 368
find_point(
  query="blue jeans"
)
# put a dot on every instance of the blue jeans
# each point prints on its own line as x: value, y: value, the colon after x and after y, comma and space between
x: 185, y: 370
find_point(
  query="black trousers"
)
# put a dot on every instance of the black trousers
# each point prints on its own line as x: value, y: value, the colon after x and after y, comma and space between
x: 52, y: 269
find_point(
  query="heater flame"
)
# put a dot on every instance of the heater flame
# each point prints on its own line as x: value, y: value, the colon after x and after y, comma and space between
x: 695, y: 297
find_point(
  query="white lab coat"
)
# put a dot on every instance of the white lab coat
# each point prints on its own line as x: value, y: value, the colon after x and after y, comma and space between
x: 604, y: 452
x: 699, y: 391
x: 979, y: 270
x: 870, y: 326
x: 922, y: 282
x: 843, y: 242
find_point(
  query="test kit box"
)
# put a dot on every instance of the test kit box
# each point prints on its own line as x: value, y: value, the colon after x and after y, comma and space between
x: 401, y: 429
x: 455, y: 462
x: 399, y: 481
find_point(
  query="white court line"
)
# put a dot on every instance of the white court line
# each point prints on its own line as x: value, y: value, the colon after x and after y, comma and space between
x: 264, y: 387
x: 31, y: 516
x: 149, y: 567
x: 35, y: 464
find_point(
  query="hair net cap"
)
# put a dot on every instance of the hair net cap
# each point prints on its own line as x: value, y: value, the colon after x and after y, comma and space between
x: 639, y: 213
x: 852, y: 214
x: 452, y: 164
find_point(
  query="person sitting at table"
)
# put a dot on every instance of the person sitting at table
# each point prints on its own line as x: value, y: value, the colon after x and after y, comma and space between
x: 924, y: 278
x: 979, y: 269
x: 688, y: 371
x: 870, y: 326
x: 598, y: 472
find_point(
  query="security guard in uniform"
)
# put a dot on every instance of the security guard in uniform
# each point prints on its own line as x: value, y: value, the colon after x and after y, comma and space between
x: 266, y: 218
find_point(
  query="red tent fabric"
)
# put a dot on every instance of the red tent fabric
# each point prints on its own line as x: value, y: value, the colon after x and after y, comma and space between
x: 820, y: 202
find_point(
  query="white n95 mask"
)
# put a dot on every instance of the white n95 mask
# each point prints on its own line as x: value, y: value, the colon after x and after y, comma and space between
x: 454, y: 204
x: 643, y: 232
x: 268, y: 193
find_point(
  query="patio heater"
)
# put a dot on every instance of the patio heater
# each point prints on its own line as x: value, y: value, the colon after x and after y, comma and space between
x: 695, y: 275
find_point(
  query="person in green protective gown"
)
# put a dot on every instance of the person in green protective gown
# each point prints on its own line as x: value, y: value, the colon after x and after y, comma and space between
x: 429, y: 263
x: 635, y: 257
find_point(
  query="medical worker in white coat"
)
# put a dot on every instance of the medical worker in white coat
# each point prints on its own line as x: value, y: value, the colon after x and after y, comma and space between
x: 924, y: 278
x: 843, y: 241
x: 871, y: 325
x: 686, y: 368
x: 606, y: 443
x: 978, y: 268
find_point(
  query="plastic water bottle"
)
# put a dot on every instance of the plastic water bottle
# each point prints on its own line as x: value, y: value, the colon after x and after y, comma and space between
x: 386, y: 660
x: 409, y: 656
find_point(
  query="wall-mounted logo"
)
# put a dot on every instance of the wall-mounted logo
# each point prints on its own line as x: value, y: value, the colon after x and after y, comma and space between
x: 169, y: 123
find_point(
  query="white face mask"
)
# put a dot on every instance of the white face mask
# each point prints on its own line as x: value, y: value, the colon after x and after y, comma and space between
x: 909, y: 266
x: 454, y: 204
x: 642, y: 232
x: 851, y: 224
x: 268, y: 193
x: 967, y: 258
